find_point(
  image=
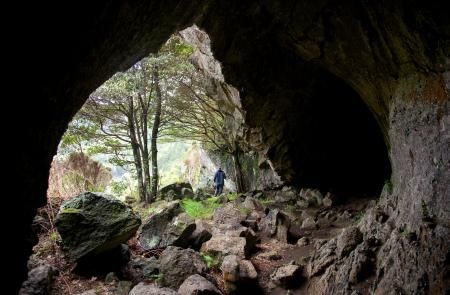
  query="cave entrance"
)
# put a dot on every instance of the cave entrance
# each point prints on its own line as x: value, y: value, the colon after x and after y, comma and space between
x: 336, y: 143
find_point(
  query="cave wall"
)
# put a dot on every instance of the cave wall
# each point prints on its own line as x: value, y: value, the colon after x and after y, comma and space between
x: 393, y: 54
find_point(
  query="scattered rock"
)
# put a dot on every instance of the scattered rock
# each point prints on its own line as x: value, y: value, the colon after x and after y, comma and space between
x: 287, y: 276
x: 201, y: 234
x: 92, y: 223
x: 252, y: 204
x: 111, y: 277
x: 312, y: 196
x: 177, y: 264
x: 197, y: 285
x: 309, y: 223
x: 141, y: 268
x: 247, y: 271
x: 348, y: 240
x: 223, y: 245
x: 40, y: 224
x: 165, y: 228
x: 230, y: 268
x: 89, y: 292
x: 271, y: 255
x: 230, y: 214
x: 277, y: 224
x: 144, y: 289
x: 176, y: 191
x: 39, y: 281
x: 303, y: 242
x: 123, y: 288
x: 327, y: 201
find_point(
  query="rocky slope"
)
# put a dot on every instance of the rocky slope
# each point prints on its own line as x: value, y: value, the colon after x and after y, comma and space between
x: 292, y: 62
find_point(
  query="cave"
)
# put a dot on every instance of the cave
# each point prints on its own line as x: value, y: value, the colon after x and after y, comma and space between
x: 381, y: 68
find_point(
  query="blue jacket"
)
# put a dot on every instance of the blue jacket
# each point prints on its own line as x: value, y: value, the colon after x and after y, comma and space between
x: 219, y: 177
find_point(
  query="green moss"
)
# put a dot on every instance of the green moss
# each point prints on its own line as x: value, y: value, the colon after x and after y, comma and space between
x: 70, y: 210
x: 232, y: 196
x: 211, y: 261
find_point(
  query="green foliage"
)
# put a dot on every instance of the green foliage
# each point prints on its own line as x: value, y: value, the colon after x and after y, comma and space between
x: 389, y: 186
x: 156, y: 277
x: 118, y: 187
x: 232, y: 196
x: 267, y: 201
x: 200, y: 209
x: 211, y: 261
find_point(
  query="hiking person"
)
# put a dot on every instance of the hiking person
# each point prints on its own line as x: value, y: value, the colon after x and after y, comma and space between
x: 219, y: 178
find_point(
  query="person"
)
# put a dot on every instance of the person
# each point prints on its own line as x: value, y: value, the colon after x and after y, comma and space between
x: 219, y: 179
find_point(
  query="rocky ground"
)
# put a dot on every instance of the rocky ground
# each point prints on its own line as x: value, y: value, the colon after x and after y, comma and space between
x: 271, y: 242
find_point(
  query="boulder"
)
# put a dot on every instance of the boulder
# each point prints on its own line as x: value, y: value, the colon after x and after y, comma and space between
x: 313, y: 196
x: 304, y: 241
x: 40, y: 224
x: 167, y: 227
x: 309, y: 223
x: 247, y: 271
x: 144, y: 289
x: 223, y: 245
x: 141, y: 268
x: 176, y: 191
x: 230, y: 268
x: 200, y: 195
x: 328, y: 200
x: 252, y: 204
x: 201, y: 234
x: 123, y: 288
x: 92, y: 223
x: 287, y: 276
x: 197, y: 285
x: 348, y: 240
x: 230, y: 214
x: 39, y: 281
x: 177, y: 264
x: 276, y: 223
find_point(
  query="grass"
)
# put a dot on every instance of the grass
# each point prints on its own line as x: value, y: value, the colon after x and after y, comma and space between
x: 232, y: 196
x: 200, y: 209
x: 211, y: 261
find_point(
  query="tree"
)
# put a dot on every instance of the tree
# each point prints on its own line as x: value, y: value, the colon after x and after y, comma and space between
x: 196, y: 115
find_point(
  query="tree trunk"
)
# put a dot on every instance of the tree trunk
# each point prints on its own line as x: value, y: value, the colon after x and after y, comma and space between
x: 155, y: 130
x: 240, y: 186
x: 136, y: 151
x: 145, y: 155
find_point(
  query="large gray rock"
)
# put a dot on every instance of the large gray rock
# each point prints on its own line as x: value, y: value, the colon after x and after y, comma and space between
x: 177, y: 191
x: 197, y: 285
x: 231, y: 241
x: 348, y: 240
x: 231, y: 214
x: 166, y: 227
x: 287, y: 276
x: 93, y: 223
x: 276, y: 224
x: 144, y: 289
x: 39, y: 281
x: 141, y: 268
x: 177, y: 264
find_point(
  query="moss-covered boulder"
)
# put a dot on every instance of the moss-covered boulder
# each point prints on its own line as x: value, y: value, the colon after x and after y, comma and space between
x: 93, y: 223
x: 177, y: 191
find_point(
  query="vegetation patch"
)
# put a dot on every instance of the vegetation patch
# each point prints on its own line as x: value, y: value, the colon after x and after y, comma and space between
x: 211, y: 261
x: 200, y: 209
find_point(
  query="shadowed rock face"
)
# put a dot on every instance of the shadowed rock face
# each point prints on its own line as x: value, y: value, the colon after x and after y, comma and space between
x: 294, y: 63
